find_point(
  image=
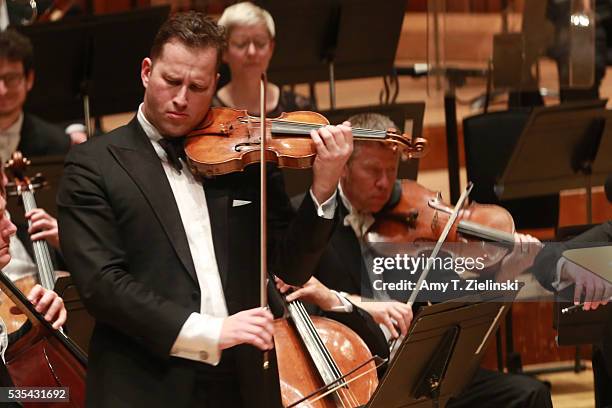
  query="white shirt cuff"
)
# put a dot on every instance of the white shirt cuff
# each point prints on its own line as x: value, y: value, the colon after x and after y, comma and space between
x: 328, y: 208
x: 557, y: 284
x: 75, y: 127
x: 199, y: 339
x: 346, y: 307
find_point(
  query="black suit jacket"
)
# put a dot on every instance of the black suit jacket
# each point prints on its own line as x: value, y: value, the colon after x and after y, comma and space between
x: 342, y: 268
x: 41, y: 138
x: 545, y: 265
x: 124, y: 242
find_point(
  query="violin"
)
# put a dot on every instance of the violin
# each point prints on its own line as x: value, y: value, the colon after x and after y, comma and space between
x: 321, y: 362
x: 228, y: 139
x: 419, y: 216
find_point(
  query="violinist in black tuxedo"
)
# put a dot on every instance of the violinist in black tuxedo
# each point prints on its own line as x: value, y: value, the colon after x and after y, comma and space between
x: 341, y: 281
x: 170, y: 270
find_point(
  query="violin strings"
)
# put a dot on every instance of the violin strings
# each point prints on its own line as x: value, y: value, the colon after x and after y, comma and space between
x: 283, y: 126
x: 292, y: 128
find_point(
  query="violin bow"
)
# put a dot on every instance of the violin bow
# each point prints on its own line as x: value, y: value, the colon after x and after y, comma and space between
x: 449, y: 224
x: 263, y: 242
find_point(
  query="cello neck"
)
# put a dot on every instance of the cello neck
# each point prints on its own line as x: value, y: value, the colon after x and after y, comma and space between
x: 322, y: 359
x: 44, y: 264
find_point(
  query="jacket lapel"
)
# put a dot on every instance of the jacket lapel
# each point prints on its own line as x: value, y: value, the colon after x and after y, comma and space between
x: 141, y: 162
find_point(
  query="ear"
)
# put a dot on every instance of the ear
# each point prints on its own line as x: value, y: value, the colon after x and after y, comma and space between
x: 30, y: 80
x: 145, y: 71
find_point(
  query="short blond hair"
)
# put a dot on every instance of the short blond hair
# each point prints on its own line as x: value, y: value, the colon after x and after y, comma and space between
x: 371, y: 120
x: 246, y: 14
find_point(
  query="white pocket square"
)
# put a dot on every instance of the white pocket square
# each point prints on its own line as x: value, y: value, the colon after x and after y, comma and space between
x: 238, y: 203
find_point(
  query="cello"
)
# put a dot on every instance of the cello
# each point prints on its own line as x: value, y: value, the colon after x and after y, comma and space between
x: 45, y: 275
x: 41, y: 356
x: 324, y: 364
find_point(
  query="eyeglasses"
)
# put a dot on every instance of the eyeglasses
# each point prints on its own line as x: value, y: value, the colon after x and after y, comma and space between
x: 244, y: 44
x: 13, y: 79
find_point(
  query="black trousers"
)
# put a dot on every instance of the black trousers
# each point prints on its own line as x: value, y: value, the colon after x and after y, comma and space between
x: 492, y: 389
x: 602, y: 369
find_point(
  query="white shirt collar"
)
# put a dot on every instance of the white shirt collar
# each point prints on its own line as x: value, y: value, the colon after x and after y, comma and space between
x: 9, y: 138
x: 151, y: 131
x: 359, y: 221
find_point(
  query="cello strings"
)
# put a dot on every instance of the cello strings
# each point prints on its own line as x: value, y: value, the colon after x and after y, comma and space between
x: 323, y: 350
x: 303, y: 315
x: 42, y: 256
x: 309, y: 339
x: 41, y: 251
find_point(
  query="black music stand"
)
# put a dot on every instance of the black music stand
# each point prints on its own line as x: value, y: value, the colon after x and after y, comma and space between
x: 346, y: 39
x: 562, y: 147
x: 301, y: 58
x: 367, y: 38
x: 89, y: 58
x: 442, y: 351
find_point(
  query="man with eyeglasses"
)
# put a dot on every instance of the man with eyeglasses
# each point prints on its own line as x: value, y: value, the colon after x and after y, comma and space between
x: 20, y: 130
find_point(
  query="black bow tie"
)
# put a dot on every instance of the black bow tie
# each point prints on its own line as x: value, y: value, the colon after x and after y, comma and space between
x: 175, y: 150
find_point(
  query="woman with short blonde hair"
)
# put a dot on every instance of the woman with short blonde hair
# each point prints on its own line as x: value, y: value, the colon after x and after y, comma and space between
x: 250, y: 34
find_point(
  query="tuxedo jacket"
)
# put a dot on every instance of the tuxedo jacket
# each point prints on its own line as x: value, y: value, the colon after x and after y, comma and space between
x: 342, y: 268
x: 41, y: 138
x: 124, y: 242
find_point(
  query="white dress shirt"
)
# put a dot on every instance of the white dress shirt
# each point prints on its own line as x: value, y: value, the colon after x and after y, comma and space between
x: 359, y: 221
x: 21, y: 263
x: 198, y: 339
x: 4, y: 17
x: 9, y: 139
